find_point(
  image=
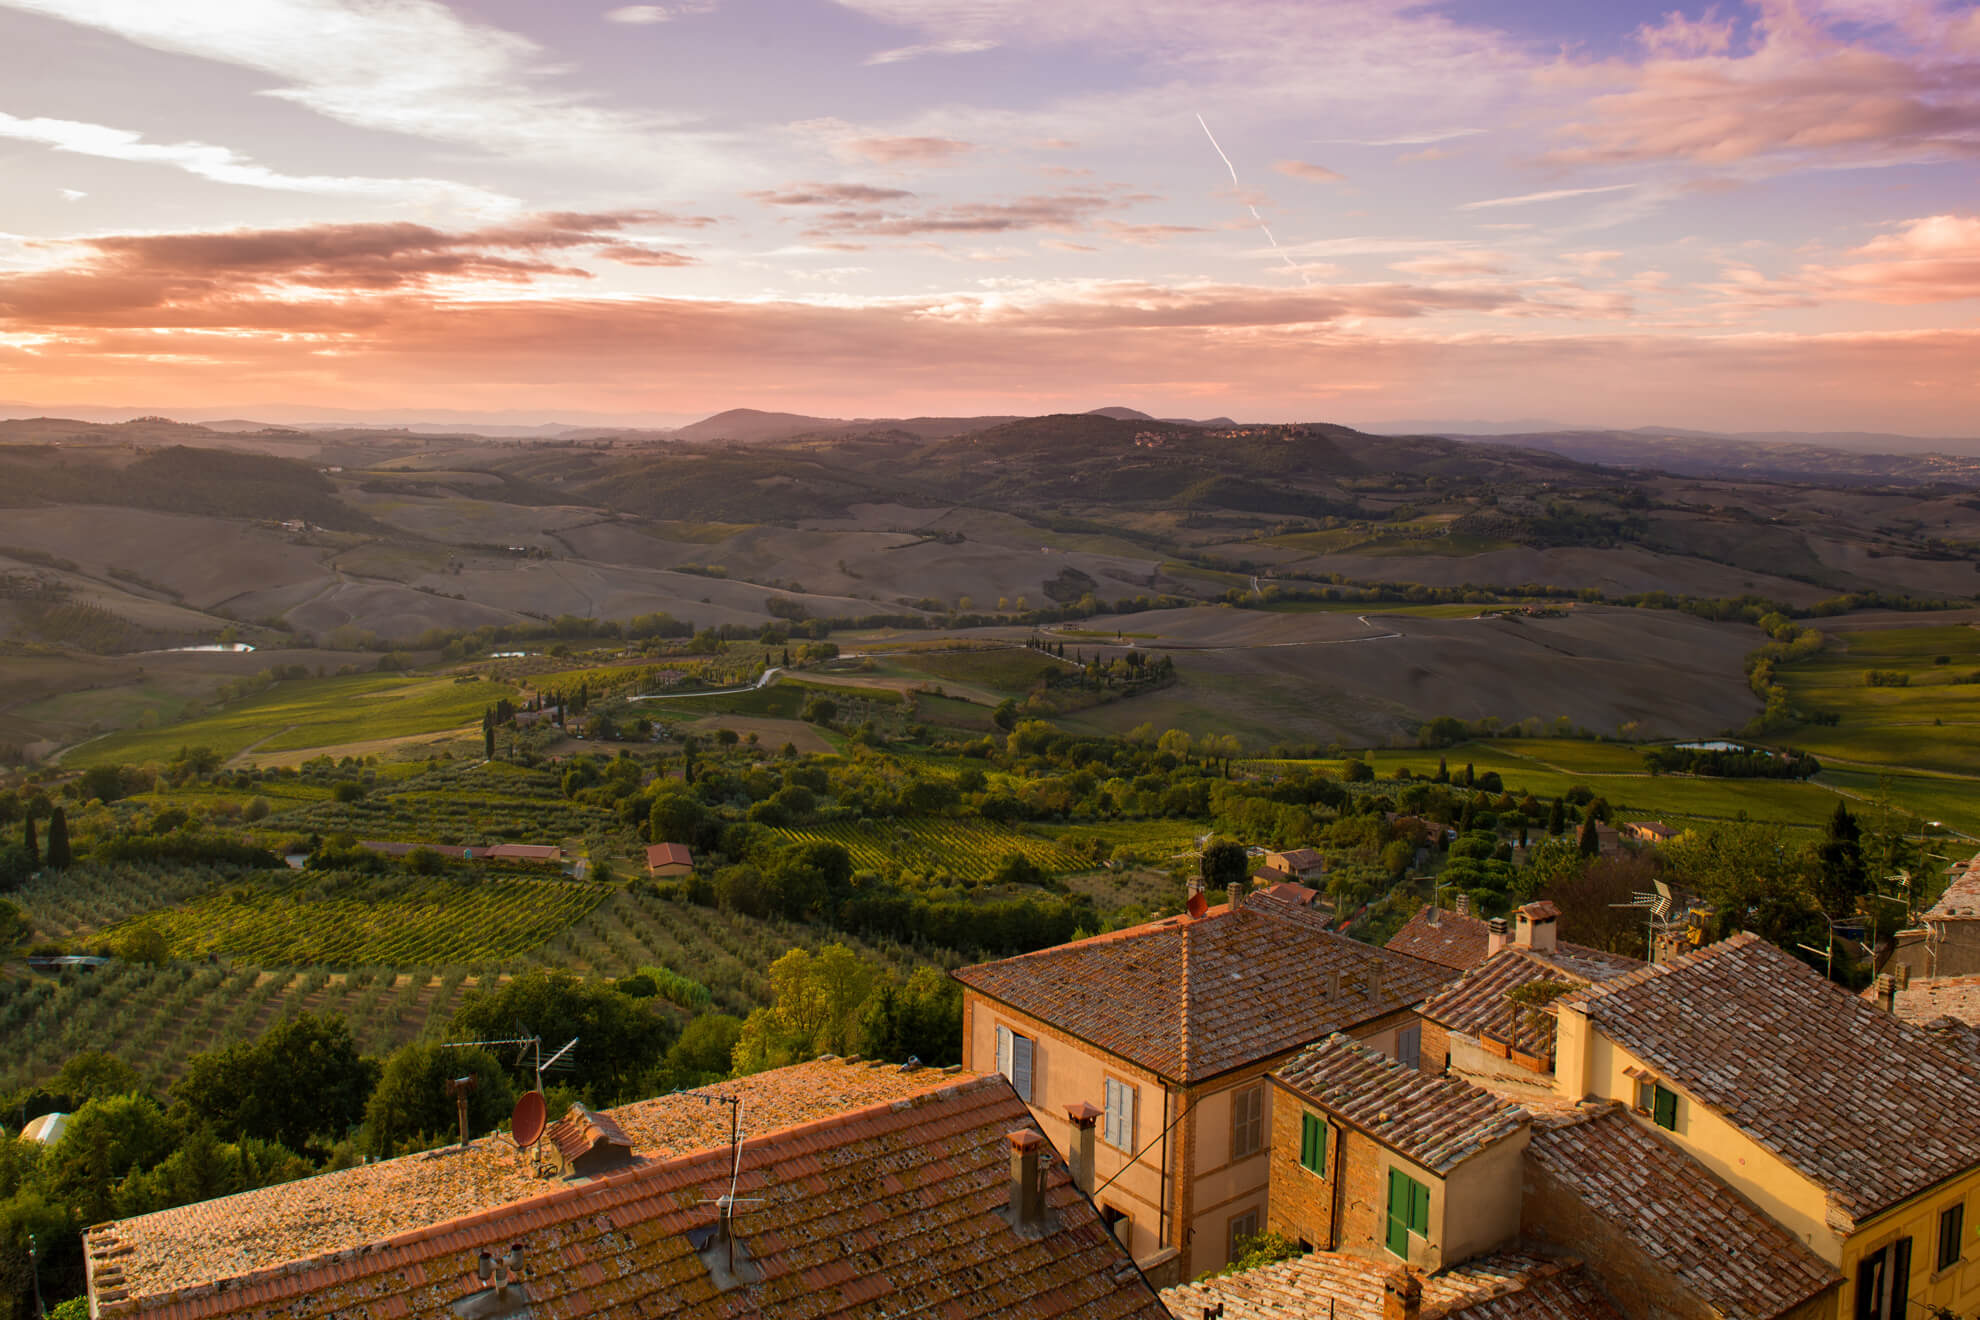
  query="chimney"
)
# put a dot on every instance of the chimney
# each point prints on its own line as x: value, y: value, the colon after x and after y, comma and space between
x: 1887, y: 989
x: 1496, y: 940
x: 1402, y: 1296
x: 1027, y: 1179
x: 1462, y: 903
x: 1374, y: 982
x: 1902, y: 973
x: 1537, y: 927
x: 1082, y: 1116
x: 1195, y: 885
x: 1234, y: 891
x: 1334, y: 984
x: 1432, y: 918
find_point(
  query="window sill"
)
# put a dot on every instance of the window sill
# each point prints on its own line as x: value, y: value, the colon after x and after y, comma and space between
x: 1948, y: 1271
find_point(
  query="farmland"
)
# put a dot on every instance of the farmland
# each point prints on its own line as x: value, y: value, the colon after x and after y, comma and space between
x: 965, y: 849
x: 308, y: 713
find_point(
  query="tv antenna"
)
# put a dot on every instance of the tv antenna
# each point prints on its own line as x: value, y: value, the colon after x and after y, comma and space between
x: 1659, y: 907
x: 726, y: 1205
x: 531, y: 1049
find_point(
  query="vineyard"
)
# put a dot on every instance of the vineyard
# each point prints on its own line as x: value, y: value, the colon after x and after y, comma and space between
x: 729, y: 954
x: 154, y: 1017
x: 70, y: 906
x: 457, y: 803
x: 344, y: 920
x: 968, y: 849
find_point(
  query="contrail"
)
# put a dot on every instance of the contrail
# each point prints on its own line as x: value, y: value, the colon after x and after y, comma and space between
x: 1249, y: 207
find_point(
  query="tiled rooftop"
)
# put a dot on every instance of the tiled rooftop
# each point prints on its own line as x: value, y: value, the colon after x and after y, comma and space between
x: 1684, y: 1217
x: 1189, y: 998
x: 1823, y: 1079
x: 1437, y: 1121
x: 1477, y: 999
x: 1961, y: 901
x: 1326, y: 1285
x: 1927, y: 999
x: 230, y: 1236
x: 893, y: 1209
x: 1452, y: 939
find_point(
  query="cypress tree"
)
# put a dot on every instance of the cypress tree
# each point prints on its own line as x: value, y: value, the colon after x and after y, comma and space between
x: 1557, y: 819
x: 59, y: 856
x: 29, y: 841
x: 1443, y: 771
x: 1590, y: 842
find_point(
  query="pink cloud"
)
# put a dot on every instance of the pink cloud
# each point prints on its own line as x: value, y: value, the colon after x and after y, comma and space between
x: 906, y: 150
x: 1300, y: 169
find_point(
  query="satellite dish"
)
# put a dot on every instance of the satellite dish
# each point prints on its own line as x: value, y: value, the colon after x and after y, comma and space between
x: 526, y: 1124
x: 1198, y: 905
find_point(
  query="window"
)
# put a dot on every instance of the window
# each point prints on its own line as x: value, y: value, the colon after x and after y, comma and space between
x: 1313, y: 1144
x: 1883, y: 1283
x: 1242, y: 1227
x: 1117, y: 1120
x: 1658, y: 1101
x: 1952, y: 1225
x: 1247, y: 1121
x: 1014, y: 1061
x: 1409, y: 1212
x: 1409, y: 1045
x: 1118, y: 1223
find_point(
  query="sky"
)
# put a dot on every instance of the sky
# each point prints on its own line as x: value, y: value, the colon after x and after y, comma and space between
x: 1740, y: 217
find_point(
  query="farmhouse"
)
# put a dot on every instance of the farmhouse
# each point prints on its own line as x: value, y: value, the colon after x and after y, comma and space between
x: 1163, y: 1035
x: 546, y: 853
x: 864, y: 1190
x: 669, y: 859
x: 1294, y: 864
x: 1648, y: 831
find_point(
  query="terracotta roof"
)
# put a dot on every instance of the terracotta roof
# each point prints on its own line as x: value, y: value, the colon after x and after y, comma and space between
x: 1460, y: 941
x: 1437, y: 1121
x: 1756, y: 1036
x: 1329, y: 1285
x: 1961, y: 901
x: 1290, y: 891
x: 1928, y: 998
x: 1298, y: 856
x: 669, y: 854
x: 1478, y: 998
x: 894, y: 1209
x: 526, y: 852
x: 579, y: 1130
x: 1189, y: 998
x: 1684, y: 1218
x: 237, y: 1234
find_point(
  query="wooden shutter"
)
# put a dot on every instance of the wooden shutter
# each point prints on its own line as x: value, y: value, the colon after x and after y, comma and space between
x: 1409, y: 1045
x: 1124, y: 1124
x: 1004, y: 1051
x: 1667, y: 1109
x: 1419, y: 1208
x: 1397, y: 1237
x: 1313, y: 1143
x: 1021, y: 1066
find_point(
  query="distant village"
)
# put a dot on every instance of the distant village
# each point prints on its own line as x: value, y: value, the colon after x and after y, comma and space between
x: 1232, y: 1113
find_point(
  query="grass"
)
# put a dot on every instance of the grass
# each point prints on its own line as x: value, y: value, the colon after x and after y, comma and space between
x: 1450, y: 611
x: 305, y: 713
x: 1013, y: 670
x: 1932, y: 724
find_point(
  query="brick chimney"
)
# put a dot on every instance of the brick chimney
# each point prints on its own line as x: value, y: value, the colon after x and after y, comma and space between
x: 1234, y: 892
x: 1462, y: 904
x: 1027, y: 1179
x: 1496, y: 938
x: 1082, y: 1116
x: 1373, y: 984
x: 1402, y: 1296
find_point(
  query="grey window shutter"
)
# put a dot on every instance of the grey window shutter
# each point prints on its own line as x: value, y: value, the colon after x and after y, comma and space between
x: 1021, y: 1066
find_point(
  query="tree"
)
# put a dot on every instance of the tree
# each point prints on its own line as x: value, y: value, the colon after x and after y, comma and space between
x: 921, y: 1019
x: 14, y: 928
x: 1224, y: 862
x: 29, y: 843
x: 676, y: 817
x: 411, y: 1107
x: 1841, y: 879
x: 1557, y: 819
x: 301, y: 1083
x: 96, y: 1075
x: 620, y: 1040
x: 704, y: 1050
x: 1589, y: 841
x: 1005, y: 714
x: 145, y: 944
x: 816, y: 1001
x: 819, y: 710
x: 59, y: 856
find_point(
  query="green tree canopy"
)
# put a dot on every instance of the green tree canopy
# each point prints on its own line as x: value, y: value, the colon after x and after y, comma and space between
x: 301, y: 1084
x: 410, y: 1107
x: 619, y: 1039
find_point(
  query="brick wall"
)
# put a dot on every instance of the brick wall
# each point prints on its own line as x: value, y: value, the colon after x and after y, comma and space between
x: 1304, y: 1206
x: 1436, y: 1050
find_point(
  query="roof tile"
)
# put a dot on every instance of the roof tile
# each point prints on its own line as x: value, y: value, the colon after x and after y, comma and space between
x: 1437, y: 1121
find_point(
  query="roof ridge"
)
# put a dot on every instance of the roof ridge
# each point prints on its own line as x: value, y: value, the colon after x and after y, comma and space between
x: 1650, y: 971
x: 1184, y: 1057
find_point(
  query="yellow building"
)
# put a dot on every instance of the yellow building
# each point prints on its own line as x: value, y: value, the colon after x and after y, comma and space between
x: 1151, y: 1048
x: 1858, y: 1133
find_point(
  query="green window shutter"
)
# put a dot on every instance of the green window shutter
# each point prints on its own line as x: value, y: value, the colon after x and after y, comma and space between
x: 1419, y: 1208
x: 1313, y: 1144
x: 1397, y: 1237
x: 1667, y: 1109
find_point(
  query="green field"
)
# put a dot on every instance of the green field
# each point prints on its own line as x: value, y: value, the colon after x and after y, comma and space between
x: 1933, y: 723
x: 327, y: 917
x: 1014, y: 669
x: 966, y: 848
x: 305, y: 713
